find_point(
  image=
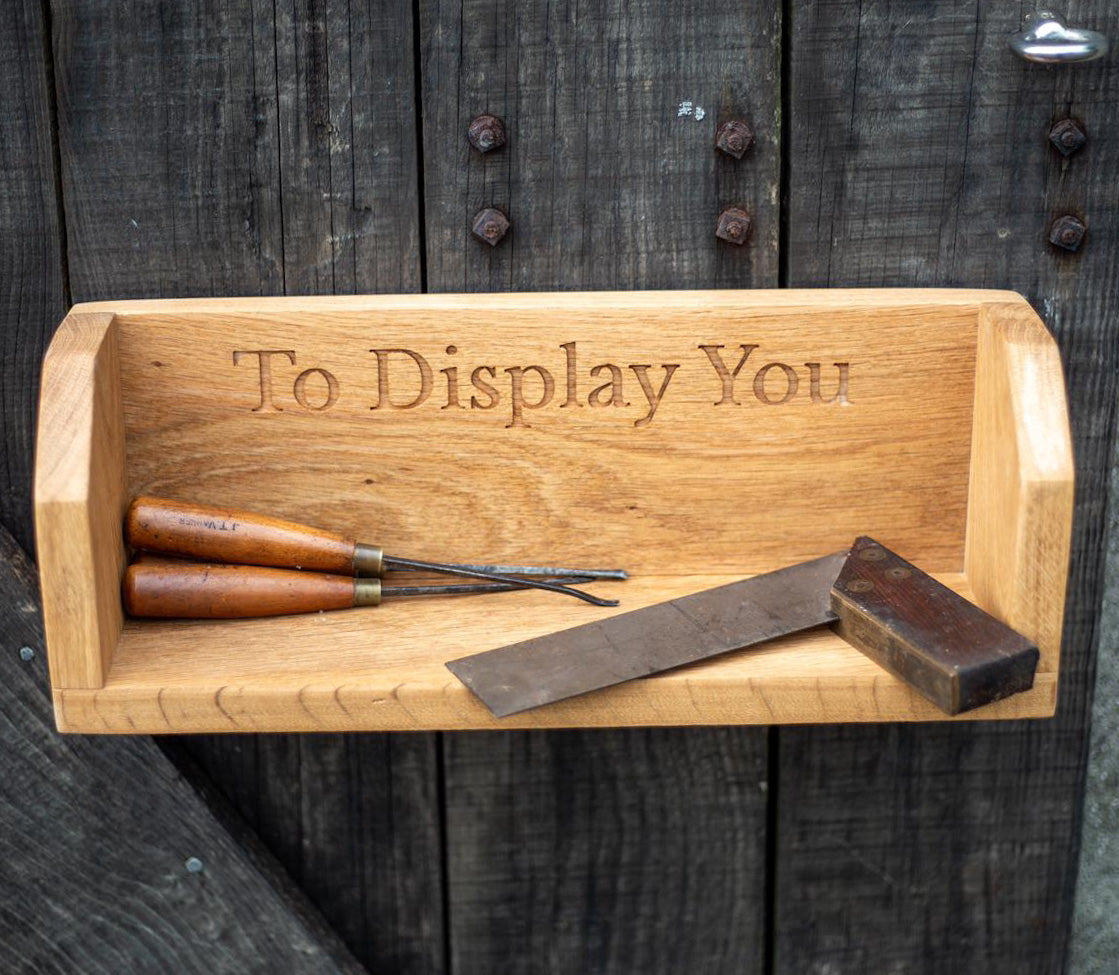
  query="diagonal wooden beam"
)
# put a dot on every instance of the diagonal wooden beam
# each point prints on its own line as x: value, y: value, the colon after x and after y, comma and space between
x: 111, y: 861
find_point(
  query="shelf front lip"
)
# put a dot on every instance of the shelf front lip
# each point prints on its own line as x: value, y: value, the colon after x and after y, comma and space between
x: 819, y: 679
x: 674, y: 700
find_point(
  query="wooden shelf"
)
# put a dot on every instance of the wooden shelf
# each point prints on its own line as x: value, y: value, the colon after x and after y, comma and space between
x: 952, y: 448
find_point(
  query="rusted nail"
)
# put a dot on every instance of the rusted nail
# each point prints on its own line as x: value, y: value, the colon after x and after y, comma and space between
x: 1067, y: 232
x: 734, y: 137
x: 1068, y: 136
x: 486, y: 132
x: 734, y: 226
x: 490, y: 225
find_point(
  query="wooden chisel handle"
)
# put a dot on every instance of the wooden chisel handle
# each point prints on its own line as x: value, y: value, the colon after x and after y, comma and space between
x: 212, y: 533
x: 156, y: 587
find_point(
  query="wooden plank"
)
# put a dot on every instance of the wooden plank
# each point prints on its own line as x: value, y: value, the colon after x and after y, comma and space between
x: 608, y: 180
x: 1095, y: 939
x: 607, y: 186
x: 575, y: 850
x: 34, y: 298
x: 111, y: 861
x: 348, y: 169
x: 238, y: 149
x: 188, y: 676
x: 354, y: 819
x: 919, y: 155
x: 611, y: 466
x: 170, y: 148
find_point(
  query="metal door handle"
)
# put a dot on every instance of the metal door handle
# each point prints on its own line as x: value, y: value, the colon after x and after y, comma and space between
x: 1046, y: 39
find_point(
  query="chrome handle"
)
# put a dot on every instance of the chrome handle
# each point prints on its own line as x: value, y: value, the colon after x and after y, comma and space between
x: 1046, y: 39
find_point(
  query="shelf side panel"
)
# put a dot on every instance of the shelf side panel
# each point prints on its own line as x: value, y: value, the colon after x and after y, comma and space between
x: 80, y: 499
x: 1022, y: 479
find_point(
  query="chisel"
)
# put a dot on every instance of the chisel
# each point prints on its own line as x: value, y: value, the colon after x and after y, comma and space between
x: 215, y: 534
x: 945, y: 647
x: 171, y: 588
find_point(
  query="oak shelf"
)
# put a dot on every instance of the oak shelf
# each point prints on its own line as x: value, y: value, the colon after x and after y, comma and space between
x: 933, y: 420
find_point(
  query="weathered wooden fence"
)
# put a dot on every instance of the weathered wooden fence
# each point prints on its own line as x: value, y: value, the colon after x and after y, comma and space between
x: 253, y: 147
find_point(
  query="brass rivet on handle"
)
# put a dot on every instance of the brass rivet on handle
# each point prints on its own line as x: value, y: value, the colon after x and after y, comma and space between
x: 872, y: 554
x: 898, y: 572
x: 860, y: 585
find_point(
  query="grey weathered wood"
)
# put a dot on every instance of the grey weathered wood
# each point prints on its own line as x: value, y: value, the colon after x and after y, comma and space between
x: 919, y: 157
x: 355, y: 821
x: 626, y: 851
x: 231, y: 149
x: 170, y: 148
x: 605, y: 184
x: 1095, y: 941
x: 96, y: 835
x: 605, y: 852
x: 191, y: 165
x: 347, y: 147
x: 33, y: 296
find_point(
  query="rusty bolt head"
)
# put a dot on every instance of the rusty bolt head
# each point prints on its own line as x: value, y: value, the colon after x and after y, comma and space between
x: 1067, y: 136
x: 734, y: 226
x: 486, y: 132
x: 490, y: 225
x: 1067, y: 232
x: 734, y: 137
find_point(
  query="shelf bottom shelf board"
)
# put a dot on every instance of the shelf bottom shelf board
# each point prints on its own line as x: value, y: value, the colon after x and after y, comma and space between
x: 383, y: 670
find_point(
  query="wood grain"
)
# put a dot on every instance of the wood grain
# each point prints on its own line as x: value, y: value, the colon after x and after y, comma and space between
x: 578, y: 484
x: 921, y: 157
x: 607, y: 186
x: 34, y: 296
x: 610, y: 176
x: 238, y: 148
x: 109, y: 889
x: 80, y: 500
x: 179, y: 193
x: 625, y: 851
x: 1021, y: 492
x: 612, y: 489
x: 384, y: 668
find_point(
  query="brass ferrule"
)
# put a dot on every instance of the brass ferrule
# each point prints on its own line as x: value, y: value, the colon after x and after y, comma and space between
x: 367, y: 592
x: 369, y: 560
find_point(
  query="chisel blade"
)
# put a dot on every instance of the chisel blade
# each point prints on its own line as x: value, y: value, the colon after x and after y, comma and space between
x: 651, y: 640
